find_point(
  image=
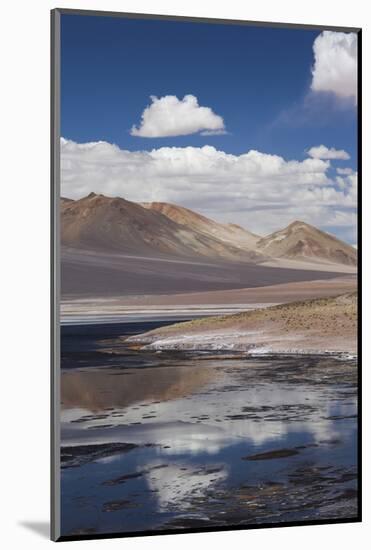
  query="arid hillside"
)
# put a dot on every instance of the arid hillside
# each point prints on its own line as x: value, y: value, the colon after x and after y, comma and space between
x: 157, y: 229
x: 115, y: 247
x: 309, y: 326
x: 229, y: 233
x: 102, y: 223
x: 300, y: 240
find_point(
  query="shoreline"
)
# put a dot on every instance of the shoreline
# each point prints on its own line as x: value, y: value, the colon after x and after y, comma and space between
x: 196, y: 304
x: 309, y: 326
x: 256, y: 353
x: 176, y: 314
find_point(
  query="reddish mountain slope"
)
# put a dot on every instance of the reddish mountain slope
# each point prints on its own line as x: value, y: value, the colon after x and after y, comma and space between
x: 102, y: 223
x: 300, y: 240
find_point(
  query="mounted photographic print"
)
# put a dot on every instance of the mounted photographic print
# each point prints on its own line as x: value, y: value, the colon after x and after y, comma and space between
x: 205, y: 329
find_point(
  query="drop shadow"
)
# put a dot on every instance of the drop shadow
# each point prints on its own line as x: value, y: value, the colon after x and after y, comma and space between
x: 41, y: 528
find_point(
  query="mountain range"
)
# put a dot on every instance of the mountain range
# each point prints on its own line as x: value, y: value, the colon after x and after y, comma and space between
x: 159, y: 229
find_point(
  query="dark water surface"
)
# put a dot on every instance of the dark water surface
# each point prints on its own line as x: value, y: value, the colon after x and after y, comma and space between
x: 155, y: 441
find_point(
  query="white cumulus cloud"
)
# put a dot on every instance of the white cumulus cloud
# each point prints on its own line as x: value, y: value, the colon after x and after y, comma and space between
x: 259, y: 191
x: 335, y: 64
x: 170, y: 116
x: 345, y: 171
x: 213, y: 132
x: 325, y: 153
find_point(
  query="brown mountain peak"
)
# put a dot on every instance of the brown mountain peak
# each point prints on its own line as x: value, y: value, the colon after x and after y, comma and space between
x: 300, y: 240
x: 298, y: 222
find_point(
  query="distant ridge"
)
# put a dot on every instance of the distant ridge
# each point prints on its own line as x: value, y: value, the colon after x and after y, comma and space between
x: 114, y: 224
x: 97, y: 222
x: 300, y: 240
x: 231, y: 233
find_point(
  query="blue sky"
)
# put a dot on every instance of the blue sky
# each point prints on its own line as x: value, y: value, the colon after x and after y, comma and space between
x: 257, y: 79
x: 249, y: 75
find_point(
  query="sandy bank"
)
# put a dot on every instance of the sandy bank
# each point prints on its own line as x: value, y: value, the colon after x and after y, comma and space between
x: 310, y: 326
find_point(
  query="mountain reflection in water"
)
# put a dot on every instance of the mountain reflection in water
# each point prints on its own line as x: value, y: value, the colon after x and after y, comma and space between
x: 155, y: 441
x: 97, y: 389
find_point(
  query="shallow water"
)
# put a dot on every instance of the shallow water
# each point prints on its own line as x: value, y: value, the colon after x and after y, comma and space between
x: 154, y: 441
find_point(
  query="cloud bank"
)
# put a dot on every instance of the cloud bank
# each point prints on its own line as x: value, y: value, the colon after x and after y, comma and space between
x: 335, y: 64
x: 260, y: 191
x: 170, y: 116
x: 344, y: 171
x: 323, y: 152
